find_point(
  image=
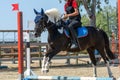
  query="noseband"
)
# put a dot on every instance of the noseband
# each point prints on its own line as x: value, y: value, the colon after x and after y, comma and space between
x: 43, y: 25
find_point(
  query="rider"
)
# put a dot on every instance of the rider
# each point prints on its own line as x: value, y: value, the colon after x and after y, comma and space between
x: 72, y: 12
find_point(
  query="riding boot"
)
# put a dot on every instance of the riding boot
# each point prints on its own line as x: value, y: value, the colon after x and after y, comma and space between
x: 74, y: 38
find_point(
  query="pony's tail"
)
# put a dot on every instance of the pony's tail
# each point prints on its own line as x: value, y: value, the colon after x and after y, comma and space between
x: 107, y: 46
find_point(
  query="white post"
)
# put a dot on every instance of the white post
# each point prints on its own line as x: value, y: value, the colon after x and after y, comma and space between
x: 28, y: 72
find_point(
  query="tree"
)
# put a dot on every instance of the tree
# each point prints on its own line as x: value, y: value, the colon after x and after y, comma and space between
x: 85, y: 20
x: 91, y: 6
x: 107, y: 19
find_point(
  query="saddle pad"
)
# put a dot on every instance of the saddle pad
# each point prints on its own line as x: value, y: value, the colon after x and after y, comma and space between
x: 81, y: 32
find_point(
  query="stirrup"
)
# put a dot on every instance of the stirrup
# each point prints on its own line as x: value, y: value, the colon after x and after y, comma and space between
x: 74, y: 46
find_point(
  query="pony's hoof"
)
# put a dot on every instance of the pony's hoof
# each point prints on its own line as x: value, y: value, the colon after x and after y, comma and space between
x: 45, y: 71
x: 114, y: 78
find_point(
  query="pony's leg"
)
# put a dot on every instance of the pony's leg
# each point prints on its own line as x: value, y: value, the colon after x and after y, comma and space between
x: 106, y: 60
x: 46, y: 60
x: 46, y: 69
x: 43, y: 63
x: 109, y: 70
x: 93, y: 60
x: 94, y: 71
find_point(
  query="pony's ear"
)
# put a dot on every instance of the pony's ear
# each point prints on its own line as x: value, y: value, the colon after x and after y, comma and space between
x: 42, y: 11
x: 35, y: 11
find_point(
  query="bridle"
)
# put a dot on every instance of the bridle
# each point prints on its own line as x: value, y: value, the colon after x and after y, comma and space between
x: 43, y: 26
x: 41, y: 22
x: 46, y: 24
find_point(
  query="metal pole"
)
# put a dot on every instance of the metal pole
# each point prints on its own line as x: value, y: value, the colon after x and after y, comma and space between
x: 108, y: 23
x: 14, y: 38
x: 40, y: 55
x: 3, y: 38
x: 20, y: 45
x: 0, y: 57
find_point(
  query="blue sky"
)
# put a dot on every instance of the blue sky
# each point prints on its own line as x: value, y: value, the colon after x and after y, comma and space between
x: 8, y: 18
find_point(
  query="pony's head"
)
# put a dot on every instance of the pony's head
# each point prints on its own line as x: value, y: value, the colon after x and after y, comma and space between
x: 40, y: 22
x: 42, y: 18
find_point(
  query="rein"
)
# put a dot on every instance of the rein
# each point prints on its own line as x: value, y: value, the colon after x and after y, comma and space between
x: 50, y: 25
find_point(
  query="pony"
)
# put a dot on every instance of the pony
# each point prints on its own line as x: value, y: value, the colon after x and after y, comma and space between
x: 89, y: 38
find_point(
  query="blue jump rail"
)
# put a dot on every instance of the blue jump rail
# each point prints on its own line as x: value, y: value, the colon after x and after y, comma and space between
x: 65, y: 78
x: 3, y: 67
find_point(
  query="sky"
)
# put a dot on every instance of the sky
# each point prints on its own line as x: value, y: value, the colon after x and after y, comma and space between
x: 8, y: 18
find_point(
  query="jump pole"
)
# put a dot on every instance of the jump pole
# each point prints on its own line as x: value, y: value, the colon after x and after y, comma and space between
x: 28, y: 71
x: 119, y: 30
x: 66, y: 78
x: 20, y: 45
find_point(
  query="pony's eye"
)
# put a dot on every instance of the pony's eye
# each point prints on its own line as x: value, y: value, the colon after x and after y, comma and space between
x: 42, y: 18
x: 36, y: 21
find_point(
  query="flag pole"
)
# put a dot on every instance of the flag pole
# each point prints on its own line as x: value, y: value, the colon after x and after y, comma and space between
x: 20, y: 41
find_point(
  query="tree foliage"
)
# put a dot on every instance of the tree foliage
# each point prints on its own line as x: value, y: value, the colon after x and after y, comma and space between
x: 105, y: 19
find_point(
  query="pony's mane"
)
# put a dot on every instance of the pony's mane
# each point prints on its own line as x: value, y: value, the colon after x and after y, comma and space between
x: 53, y: 14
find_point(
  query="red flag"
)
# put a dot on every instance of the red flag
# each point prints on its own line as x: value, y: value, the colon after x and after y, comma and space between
x: 15, y: 7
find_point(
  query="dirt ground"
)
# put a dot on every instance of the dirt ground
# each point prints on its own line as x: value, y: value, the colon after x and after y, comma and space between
x: 58, y: 67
